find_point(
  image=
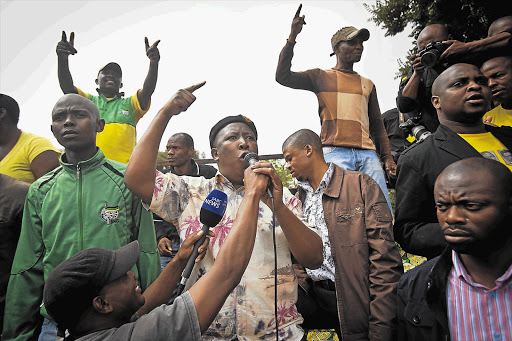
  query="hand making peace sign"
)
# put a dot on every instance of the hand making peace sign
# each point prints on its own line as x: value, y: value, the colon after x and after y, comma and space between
x: 65, y: 47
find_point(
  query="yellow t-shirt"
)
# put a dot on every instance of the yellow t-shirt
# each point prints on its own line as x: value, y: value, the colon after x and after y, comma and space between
x: 489, y: 147
x: 17, y: 163
x: 500, y: 116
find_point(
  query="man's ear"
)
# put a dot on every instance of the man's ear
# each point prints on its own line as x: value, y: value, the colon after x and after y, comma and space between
x: 3, y: 113
x: 308, y: 149
x: 96, y: 81
x: 100, y: 125
x: 435, y: 102
x: 101, y: 306
x: 191, y: 152
x: 215, y: 155
x: 120, y: 85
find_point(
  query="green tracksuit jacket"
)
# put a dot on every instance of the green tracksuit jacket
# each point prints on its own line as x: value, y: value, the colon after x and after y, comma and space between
x: 70, y: 209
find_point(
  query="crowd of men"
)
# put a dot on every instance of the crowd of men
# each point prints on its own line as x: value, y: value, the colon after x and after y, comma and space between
x: 96, y: 238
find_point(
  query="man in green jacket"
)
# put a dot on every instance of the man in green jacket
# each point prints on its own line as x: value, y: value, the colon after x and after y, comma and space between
x: 82, y: 204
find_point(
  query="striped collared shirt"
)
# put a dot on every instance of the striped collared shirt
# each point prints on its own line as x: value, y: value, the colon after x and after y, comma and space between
x: 476, y: 312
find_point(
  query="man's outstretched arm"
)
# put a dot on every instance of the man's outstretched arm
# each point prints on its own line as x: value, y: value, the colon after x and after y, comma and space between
x: 64, y: 49
x: 140, y: 172
x: 144, y: 94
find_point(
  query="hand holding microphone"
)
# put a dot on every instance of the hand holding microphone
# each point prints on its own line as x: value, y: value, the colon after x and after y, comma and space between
x: 275, y: 186
x: 212, y: 211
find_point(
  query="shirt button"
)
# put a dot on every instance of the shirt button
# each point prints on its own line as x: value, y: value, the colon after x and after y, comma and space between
x: 240, y: 301
x: 416, y: 319
x: 492, y: 295
x: 497, y: 336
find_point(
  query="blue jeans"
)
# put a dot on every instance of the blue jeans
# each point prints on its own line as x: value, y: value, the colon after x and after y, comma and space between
x: 362, y: 160
x: 48, y: 331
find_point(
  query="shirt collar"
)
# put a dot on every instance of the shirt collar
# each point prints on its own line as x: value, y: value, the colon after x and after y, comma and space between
x: 323, y: 183
x: 460, y: 272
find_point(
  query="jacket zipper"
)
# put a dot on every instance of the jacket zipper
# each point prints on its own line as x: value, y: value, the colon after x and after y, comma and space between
x: 80, y: 215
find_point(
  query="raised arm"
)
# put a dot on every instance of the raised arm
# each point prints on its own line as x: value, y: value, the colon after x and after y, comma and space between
x: 284, y: 75
x: 64, y: 49
x: 144, y: 94
x: 305, y: 245
x: 210, y: 292
x: 140, y: 172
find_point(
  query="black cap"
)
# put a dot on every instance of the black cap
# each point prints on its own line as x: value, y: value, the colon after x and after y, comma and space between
x: 228, y: 120
x: 73, y: 284
x: 112, y: 66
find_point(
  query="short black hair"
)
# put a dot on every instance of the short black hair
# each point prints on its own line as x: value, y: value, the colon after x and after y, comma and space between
x: 11, y: 106
x: 304, y: 137
x: 186, y: 138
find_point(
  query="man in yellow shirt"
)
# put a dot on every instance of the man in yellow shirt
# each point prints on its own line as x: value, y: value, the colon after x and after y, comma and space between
x: 498, y: 71
x: 121, y: 115
x: 23, y: 156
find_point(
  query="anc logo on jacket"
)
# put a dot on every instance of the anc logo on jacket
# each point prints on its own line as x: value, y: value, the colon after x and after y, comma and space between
x: 110, y: 214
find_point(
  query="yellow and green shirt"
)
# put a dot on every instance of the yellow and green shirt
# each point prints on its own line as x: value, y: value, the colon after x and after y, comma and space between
x: 121, y: 115
x: 489, y: 147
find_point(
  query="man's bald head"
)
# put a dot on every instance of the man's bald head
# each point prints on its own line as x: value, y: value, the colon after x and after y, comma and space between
x: 500, y: 25
x: 449, y: 74
x: 479, y: 169
x: 431, y: 33
x: 77, y: 100
x: 304, y: 137
x: 460, y: 94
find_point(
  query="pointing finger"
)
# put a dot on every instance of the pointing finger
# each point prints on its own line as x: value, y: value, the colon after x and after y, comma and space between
x: 146, y: 42
x: 155, y: 44
x: 195, y: 87
x: 64, y: 38
x: 298, y: 11
x: 72, y: 38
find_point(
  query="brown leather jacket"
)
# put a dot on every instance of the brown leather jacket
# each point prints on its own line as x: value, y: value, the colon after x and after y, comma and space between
x: 368, y: 264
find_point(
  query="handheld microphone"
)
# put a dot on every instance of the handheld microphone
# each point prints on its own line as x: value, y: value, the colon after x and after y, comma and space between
x: 252, y: 158
x: 212, y: 211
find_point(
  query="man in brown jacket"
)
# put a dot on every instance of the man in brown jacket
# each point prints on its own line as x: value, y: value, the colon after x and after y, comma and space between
x: 354, y: 291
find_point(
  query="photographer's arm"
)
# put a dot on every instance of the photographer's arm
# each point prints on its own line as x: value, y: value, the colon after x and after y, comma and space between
x: 458, y: 51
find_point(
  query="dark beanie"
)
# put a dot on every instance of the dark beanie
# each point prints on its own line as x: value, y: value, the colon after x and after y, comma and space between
x: 228, y: 120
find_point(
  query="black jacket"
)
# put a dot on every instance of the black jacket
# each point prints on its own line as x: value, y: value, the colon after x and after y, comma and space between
x: 416, y: 227
x: 421, y: 306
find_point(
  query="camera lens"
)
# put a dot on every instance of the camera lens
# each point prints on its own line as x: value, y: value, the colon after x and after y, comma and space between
x: 420, y: 133
x: 429, y: 58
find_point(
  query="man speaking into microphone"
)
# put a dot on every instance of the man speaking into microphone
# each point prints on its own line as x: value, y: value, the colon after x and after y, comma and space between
x: 248, y: 313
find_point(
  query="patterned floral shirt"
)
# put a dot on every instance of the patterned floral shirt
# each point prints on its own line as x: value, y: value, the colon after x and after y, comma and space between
x: 248, y: 313
x: 314, y: 214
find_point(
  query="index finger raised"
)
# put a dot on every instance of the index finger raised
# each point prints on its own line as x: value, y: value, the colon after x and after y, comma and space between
x: 298, y: 11
x: 195, y: 87
x: 155, y: 44
x: 146, y: 42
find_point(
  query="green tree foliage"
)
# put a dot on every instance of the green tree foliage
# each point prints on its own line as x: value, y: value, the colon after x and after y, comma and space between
x: 467, y: 20
x: 284, y: 174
